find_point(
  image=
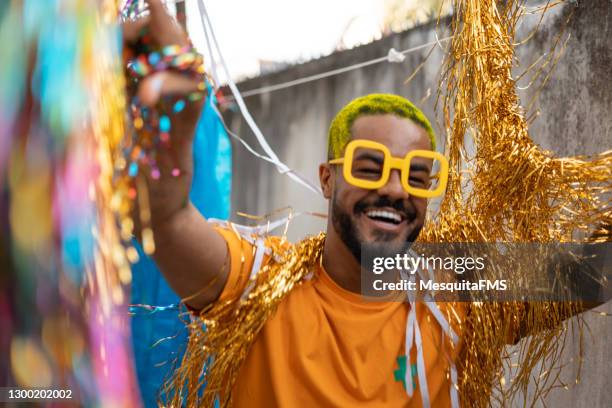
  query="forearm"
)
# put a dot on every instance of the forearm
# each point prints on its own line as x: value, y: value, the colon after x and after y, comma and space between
x: 192, y: 256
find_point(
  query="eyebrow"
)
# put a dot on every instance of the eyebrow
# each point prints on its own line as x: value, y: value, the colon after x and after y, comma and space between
x: 419, y: 167
x: 369, y: 156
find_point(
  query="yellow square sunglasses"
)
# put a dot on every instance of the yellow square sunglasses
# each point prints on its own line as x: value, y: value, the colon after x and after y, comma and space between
x: 389, y: 162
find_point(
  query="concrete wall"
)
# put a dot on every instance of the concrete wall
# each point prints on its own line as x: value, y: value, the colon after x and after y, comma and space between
x: 575, y: 118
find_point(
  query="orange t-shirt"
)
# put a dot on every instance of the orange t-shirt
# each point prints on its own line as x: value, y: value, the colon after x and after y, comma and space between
x: 328, y: 347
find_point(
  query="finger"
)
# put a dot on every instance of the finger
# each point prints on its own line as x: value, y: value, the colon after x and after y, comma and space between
x: 166, y: 30
x: 166, y: 83
x: 131, y: 30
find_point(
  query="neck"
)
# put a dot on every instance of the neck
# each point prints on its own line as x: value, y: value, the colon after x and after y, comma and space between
x: 339, y: 262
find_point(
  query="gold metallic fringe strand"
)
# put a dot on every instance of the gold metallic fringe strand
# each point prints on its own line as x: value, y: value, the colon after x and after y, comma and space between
x: 508, y: 190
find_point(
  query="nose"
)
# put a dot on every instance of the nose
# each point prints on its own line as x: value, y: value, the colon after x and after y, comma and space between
x: 393, y: 187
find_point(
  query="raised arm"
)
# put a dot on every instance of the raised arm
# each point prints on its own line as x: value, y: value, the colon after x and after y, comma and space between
x: 191, y: 254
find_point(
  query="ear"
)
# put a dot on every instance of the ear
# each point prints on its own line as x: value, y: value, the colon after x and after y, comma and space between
x: 327, y: 180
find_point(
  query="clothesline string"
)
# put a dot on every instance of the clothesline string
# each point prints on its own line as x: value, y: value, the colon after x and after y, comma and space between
x: 337, y: 71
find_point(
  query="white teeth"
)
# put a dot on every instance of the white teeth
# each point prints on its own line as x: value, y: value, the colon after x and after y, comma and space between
x: 384, y: 214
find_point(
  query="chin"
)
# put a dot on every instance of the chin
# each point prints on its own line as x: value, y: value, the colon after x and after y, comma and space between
x: 385, y: 242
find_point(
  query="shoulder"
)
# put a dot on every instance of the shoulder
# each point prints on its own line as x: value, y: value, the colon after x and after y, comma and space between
x: 251, y: 250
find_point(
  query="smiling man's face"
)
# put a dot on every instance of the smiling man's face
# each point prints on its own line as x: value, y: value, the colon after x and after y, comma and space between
x: 388, y: 217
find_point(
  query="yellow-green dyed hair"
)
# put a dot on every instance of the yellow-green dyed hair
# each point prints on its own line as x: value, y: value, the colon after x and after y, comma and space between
x: 374, y: 104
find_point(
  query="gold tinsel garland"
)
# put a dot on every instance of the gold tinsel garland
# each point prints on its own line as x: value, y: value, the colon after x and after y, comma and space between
x: 517, y: 193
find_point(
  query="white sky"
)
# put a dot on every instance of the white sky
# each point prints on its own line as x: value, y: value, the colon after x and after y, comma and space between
x: 283, y: 30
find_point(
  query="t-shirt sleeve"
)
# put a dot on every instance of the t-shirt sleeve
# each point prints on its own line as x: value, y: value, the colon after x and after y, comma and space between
x: 241, y: 256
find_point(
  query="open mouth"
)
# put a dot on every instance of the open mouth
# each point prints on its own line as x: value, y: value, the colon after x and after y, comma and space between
x: 386, y: 216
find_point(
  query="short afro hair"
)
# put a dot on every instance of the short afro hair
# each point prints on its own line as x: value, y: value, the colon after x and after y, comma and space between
x: 374, y: 104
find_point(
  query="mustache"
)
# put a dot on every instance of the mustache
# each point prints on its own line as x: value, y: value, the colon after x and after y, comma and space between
x: 382, y: 202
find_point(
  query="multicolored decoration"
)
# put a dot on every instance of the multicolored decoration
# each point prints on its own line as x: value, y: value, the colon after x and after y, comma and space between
x: 65, y: 273
x: 68, y: 167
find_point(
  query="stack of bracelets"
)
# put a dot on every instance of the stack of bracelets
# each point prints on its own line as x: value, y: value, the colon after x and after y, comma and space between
x: 152, y: 125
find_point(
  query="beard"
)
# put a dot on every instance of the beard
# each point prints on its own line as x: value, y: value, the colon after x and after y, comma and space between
x: 354, y: 240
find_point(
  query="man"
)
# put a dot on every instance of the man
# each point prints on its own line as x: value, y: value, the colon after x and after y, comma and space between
x: 286, y: 325
x: 325, y: 345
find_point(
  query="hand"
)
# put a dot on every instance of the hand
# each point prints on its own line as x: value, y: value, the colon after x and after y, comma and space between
x: 163, y: 30
x: 168, y: 190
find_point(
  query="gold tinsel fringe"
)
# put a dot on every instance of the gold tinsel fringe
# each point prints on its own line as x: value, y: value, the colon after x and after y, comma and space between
x: 513, y: 191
